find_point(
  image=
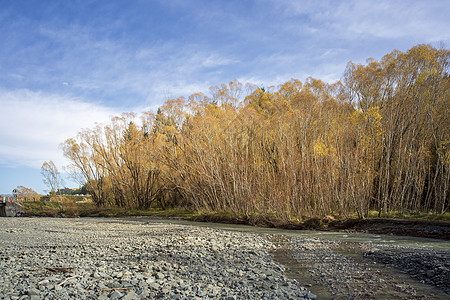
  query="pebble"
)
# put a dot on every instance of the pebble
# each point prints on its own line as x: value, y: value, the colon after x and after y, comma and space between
x: 33, y: 292
x: 131, y: 296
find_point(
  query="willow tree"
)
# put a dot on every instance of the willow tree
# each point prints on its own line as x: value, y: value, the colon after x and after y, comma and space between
x: 411, y: 92
x: 51, y: 176
x: 86, y: 165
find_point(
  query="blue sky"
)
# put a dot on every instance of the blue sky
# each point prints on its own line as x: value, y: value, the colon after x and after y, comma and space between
x: 66, y: 65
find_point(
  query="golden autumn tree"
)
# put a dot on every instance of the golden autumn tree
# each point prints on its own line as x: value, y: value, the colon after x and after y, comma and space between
x: 377, y: 140
x: 410, y: 90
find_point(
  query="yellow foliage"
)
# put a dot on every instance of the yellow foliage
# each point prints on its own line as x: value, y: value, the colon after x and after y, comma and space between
x: 321, y: 149
x: 307, y: 148
x: 444, y: 151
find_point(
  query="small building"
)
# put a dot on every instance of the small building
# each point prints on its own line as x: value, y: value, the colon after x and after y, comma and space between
x: 9, y: 207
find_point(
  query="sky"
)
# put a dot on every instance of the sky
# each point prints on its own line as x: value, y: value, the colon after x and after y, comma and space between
x: 67, y: 65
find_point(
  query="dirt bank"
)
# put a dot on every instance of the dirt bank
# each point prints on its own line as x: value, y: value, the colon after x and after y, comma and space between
x: 418, y: 228
x: 430, y: 229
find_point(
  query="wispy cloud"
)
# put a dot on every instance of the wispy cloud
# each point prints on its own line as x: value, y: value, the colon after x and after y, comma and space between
x: 119, y: 73
x: 35, y: 123
x: 355, y: 19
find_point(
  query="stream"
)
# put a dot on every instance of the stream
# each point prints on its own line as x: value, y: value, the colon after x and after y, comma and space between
x: 341, y: 265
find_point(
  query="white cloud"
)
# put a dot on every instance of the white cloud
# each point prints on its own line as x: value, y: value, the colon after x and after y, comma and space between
x: 129, y: 73
x: 426, y: 21
x: 35, y: 123
x: 215, y: 60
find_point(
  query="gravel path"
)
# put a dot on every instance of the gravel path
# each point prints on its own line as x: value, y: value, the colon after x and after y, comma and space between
x: 106, y: 259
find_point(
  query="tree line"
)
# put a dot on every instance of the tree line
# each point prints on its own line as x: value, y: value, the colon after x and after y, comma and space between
x: 376, y: 140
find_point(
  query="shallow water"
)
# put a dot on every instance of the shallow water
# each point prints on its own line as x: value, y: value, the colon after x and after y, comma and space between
x: 381, y: 239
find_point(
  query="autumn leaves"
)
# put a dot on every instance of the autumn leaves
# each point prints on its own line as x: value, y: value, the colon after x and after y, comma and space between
x: 378, y: 140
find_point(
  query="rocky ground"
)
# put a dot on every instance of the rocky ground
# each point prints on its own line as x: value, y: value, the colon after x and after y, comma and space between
x: 335, y: 269
x: 427, y: 266
x: 107, y: 259
x: 44, y: 258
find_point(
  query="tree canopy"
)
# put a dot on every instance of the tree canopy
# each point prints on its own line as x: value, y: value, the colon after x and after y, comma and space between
x: 378, y: 140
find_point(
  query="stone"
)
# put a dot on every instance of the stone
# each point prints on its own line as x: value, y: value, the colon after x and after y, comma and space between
x: 115, y: 295
x: 33, y: 292
x: 127, y: 273
x: 127, y: 284
x: 131, y: 296
x: 114, y: 285
x: 44, y: 282
x: 154, y: 285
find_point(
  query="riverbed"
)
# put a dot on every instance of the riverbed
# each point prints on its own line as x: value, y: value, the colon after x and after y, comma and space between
x: 346, y: 265
x: 141, y: 257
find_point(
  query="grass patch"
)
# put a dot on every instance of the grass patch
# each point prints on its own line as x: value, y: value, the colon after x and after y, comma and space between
x: 41, y: 209
x: 89, y: 209
x: 93, y: 211
x: 424, y: 216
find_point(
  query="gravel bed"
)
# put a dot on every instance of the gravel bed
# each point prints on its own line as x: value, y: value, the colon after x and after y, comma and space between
x: 106, y: 259
x: 431, y: 267
x: 352, y: 270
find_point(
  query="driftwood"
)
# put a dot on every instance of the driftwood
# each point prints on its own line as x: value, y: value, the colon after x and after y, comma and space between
x: 59, y: 269
x: 120, y: 288
x: 68, y: 278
